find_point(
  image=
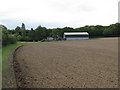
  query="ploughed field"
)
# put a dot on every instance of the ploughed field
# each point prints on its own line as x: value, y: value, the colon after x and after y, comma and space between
x: 68, y: 64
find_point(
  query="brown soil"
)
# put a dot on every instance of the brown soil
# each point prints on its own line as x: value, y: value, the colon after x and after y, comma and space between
x: 68, y: 64
x: 110, y: 38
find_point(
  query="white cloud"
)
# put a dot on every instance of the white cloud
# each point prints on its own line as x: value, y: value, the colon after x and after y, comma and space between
x: 58, y: 13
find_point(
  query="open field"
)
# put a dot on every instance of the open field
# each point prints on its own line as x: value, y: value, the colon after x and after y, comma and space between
x: 68, y: 64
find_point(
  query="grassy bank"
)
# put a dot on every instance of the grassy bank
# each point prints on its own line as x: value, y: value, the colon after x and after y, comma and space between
x: 7, y: 49
x: 8, y: 78
x: 5, y: 53
x: 20, y: 42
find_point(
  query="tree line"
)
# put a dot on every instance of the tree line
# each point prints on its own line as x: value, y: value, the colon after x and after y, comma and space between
x: 40, y: 33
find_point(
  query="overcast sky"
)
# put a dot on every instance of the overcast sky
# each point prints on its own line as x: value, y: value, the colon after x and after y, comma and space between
x: 58, y: 13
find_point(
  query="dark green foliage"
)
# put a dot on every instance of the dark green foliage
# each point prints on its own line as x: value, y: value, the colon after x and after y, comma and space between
x: 18, y: 30
x: 92, y: 30
x: 41, y: 33
x: 57, y: 33
x: 31, y: 35
x: 23, y: 32
x: 7, y: 38
x: 112, y: 30
x: 11, y: 39
x: 19, y: 37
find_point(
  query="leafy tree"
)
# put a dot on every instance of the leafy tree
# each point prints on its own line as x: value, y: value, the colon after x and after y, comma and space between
x: 40, y: 33
x: 31, y: 35
x: 7, y: 38
x: 107, y: 32
x: 112, y: 30
x: 18, y: 30
x: 23, y: 30
x: 54, y: 33
x: 19, y: 38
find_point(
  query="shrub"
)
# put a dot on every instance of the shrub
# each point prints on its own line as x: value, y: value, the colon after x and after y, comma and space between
x: 19, y: 37
x: 7, y: 38
x: 11, y: 39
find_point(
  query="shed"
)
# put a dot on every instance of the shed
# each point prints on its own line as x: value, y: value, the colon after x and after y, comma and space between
x: 76, y: 35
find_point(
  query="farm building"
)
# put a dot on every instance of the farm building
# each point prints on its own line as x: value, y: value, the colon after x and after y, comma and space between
x: 76, y: 35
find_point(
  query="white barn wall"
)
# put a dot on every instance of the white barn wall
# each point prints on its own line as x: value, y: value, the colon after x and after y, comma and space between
x: 76, y: 33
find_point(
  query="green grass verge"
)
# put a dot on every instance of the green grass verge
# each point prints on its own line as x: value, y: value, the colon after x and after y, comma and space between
x: 5, y: 53
x: 7, y: 71
x: 25, y: 42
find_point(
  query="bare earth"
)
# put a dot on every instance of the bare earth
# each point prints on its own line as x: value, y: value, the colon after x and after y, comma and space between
x: 69, y: 64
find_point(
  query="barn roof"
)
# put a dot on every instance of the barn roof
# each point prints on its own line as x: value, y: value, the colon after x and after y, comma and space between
x: 76, y: 33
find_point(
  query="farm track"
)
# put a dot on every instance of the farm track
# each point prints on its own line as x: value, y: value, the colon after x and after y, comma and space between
x: 68, y: 64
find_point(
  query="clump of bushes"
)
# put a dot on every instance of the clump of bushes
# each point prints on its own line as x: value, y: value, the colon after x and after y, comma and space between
x: 8, y: 38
